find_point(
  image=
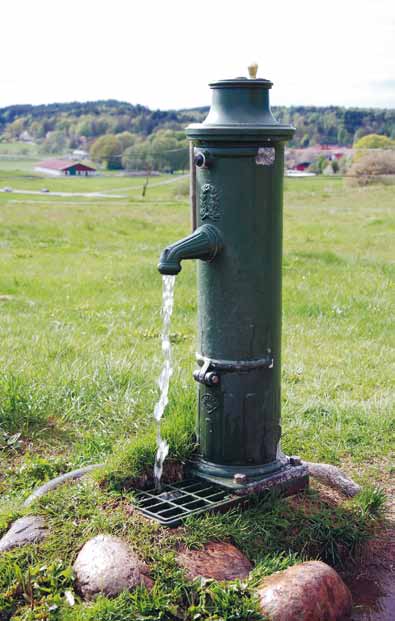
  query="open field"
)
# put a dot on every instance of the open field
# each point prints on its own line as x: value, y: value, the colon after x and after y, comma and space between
x: 28, y: 179
x: 80, y: 333
x: 19, y: 149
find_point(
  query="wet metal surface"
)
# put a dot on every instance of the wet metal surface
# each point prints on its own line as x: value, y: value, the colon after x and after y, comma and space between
x: 173, y: 503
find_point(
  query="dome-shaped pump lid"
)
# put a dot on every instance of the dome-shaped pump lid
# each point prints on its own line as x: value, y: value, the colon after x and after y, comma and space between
x: 240, y: 111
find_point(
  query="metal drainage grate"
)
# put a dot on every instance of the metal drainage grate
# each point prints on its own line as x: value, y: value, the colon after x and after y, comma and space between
x: 173, y: 503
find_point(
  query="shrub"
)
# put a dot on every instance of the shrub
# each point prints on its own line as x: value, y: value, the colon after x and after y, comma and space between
x: 374, y: 141
x: 375, y: 167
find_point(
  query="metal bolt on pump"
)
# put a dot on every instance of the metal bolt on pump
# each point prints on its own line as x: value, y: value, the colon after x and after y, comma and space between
x: 238, y: 158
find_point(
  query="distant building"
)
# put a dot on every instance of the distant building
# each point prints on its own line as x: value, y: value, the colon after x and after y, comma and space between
x: 79, y: 154
x: 25, y: 137
x: 300, y: 160
x: 334, y: 152
x: 302, y: 166
x: 65, y: 167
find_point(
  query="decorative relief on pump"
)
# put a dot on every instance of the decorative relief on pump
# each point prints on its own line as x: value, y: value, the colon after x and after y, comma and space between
x: 209, y: 203
x: 265, y: 156
x: 210, y: 403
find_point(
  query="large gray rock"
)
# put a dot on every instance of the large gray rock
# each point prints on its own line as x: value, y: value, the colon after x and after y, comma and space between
x: 310, y: 591
x: 107, y: 565
x: 29, y: 529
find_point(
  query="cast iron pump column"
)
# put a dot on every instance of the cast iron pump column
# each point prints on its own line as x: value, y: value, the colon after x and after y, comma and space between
x: 239, y: 160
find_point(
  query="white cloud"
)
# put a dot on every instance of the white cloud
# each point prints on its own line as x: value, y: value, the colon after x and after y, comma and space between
x: 163, y: 54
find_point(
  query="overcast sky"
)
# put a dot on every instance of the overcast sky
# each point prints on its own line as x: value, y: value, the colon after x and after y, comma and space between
x: 162, y: 53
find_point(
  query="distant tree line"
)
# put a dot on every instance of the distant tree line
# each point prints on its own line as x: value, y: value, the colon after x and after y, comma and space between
x: 334, y: 125
x: 122, y: 135
x: 165, y: 150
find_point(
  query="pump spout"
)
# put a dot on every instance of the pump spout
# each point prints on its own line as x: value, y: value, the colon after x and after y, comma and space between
x: 204, y: 243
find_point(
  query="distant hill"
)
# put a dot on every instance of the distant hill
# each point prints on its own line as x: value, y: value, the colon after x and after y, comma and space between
x: 80, y: 123
x: 90, y: 119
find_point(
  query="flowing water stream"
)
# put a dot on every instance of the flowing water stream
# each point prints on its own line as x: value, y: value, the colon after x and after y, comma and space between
x: 164, y: 378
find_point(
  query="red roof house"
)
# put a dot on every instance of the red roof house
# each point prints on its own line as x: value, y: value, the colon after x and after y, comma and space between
x: 65, y: 167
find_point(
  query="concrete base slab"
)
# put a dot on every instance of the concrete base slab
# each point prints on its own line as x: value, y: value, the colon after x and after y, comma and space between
x: 291, y: 479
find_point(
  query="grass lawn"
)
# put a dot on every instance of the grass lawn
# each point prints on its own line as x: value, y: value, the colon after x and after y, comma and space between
x: 80, y: 330
x: 19, y: 149
x: 21, y: 175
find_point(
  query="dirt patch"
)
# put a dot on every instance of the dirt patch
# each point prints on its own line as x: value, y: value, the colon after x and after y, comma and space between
x: 372, y: 579
x: 372, y: 584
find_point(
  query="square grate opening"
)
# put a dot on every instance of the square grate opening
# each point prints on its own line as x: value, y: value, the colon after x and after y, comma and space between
x: 174, y: 502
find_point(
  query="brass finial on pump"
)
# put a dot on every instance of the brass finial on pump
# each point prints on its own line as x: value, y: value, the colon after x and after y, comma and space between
x: 253, y: 70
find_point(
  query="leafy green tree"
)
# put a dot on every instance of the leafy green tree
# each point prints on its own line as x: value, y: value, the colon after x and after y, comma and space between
x: 169, y: 150
x: 138, y: 157
x: 127, y: 139
x: 164, y: 150
x: 15, y: 128
x: 318, y: 165
x: 93, y: 119
x: 36, y: 129
x: 360, y: 132
x: 84, y: 126
x: 343, y: 137
x: 108, y: 150
x: 374, y: 141
x: 55, y: 142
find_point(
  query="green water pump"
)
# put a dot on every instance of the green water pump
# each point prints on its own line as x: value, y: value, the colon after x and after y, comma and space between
x: 238, y: 159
